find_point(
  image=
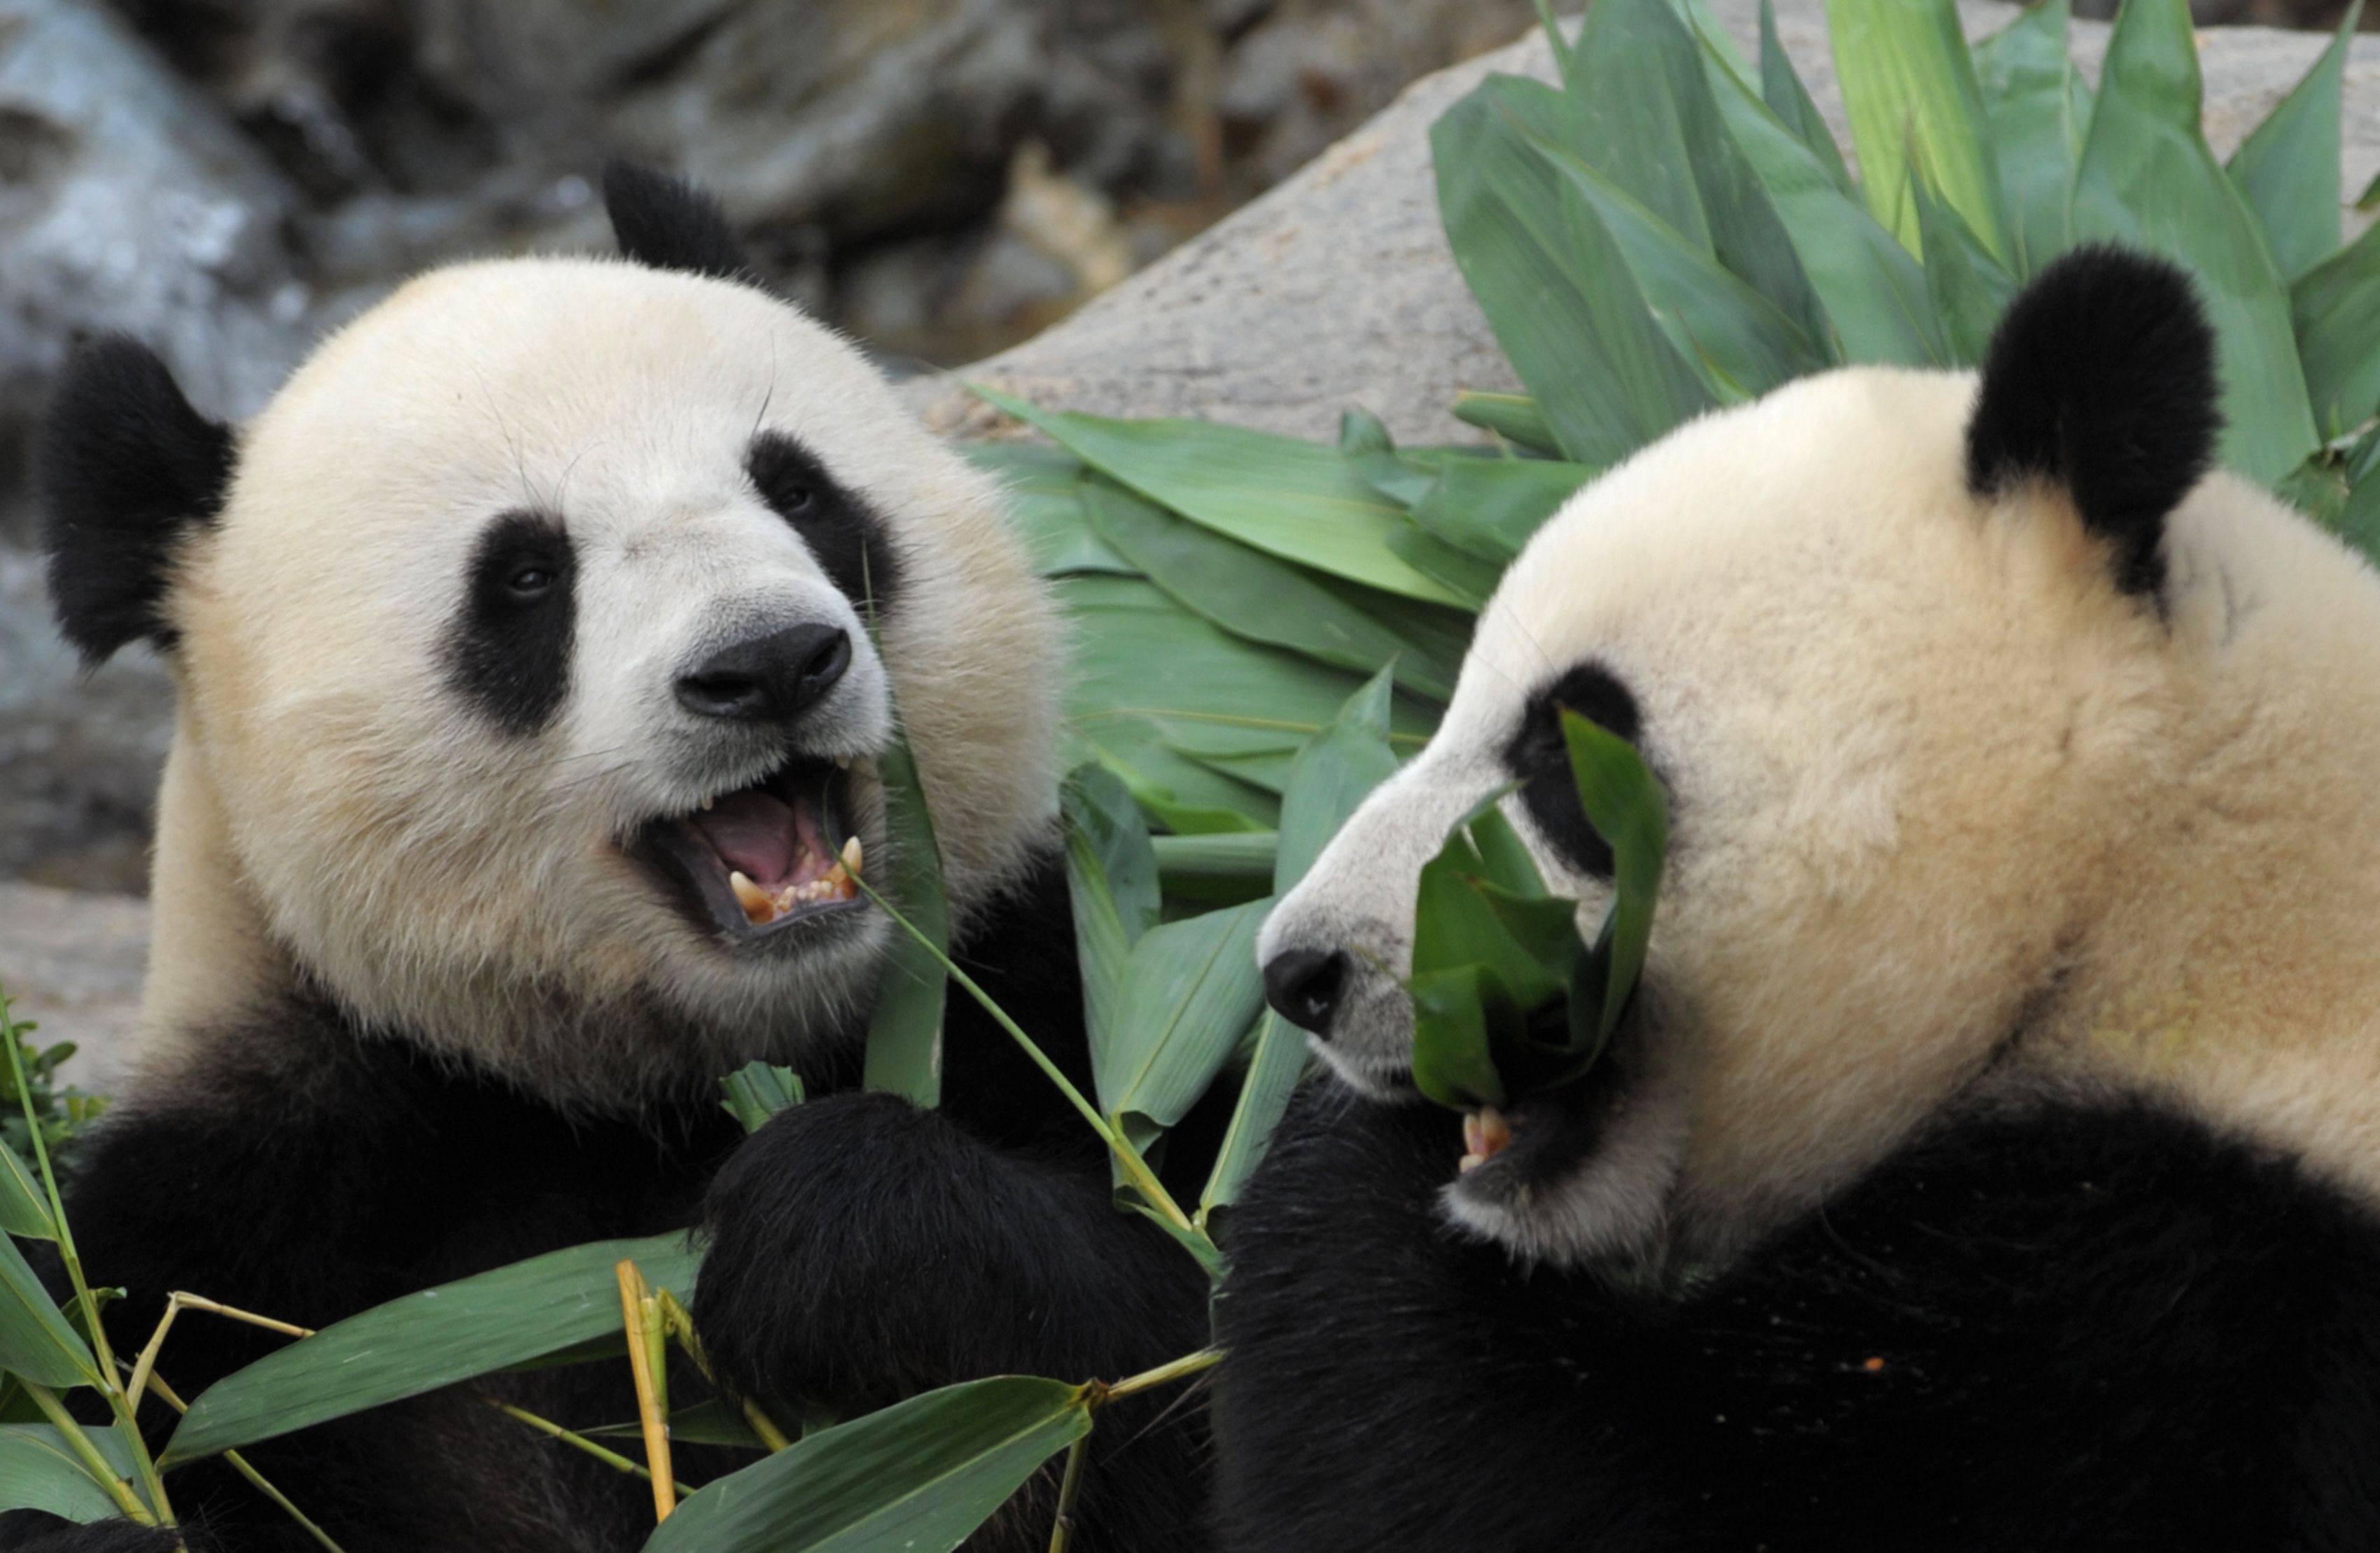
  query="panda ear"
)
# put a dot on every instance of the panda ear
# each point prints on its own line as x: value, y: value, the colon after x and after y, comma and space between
x: 669, y: 224
x: 2100, y: 381
x: 125, y: 470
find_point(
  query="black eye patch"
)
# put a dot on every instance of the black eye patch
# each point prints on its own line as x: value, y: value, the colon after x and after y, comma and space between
x: 509, y: 651
x: 840, y: 529
x: 1539, y: 760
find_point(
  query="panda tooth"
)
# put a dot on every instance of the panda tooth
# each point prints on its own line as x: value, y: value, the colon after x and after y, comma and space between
x: 705, y: 805
x: 1494, y: 1131
x: 758, y: 910
x: 1474, y: 1137
x: 851, y: 856
x: 1469, y: 1163
x: 842, y: 762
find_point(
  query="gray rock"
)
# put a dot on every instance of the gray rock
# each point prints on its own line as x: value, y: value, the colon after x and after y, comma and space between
x: 1337, y: 288
x: 72, y: 960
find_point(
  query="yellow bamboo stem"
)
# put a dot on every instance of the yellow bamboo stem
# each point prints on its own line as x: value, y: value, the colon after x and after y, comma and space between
x: 655, y: 1423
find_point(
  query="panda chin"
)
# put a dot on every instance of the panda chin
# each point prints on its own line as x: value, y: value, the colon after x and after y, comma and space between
x: 746, y: 865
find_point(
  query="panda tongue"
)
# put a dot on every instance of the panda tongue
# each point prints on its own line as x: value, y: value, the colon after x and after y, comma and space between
x: 755, y: 833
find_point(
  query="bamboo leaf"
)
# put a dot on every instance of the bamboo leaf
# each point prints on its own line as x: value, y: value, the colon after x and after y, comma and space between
x: 1625, y: 804
x: 1221, y: 869
x: 1556, y: 291
x: 1909, y: 90
x: 2039, y: 106
x: 1488, y: 508
x: 24, y: 1207
x: 916, y: 1477
x: 757, y: 1091
x: 1873, y: 290
x: 2336, y: 308
x: 35, y: 1341
x: 1300, y: 501
x: 1190, y: 992
x: 1781, y: 88
x: 1253, y: 595
x: 2287, y: 167
x: 428, y: 1340
x: 1514, y: 417
x: 1272, y: 1075
x: 1044, y: 501
x: 1111, y: 876
x: 904, y: 1029
x: 2147, y: 178
x: 1970, y: 287
x: 39, y: 1471
x: 1330, y: 776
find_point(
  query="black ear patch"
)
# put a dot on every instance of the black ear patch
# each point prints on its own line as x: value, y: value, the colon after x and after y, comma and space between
x: 669, y: 224
x: 124, y: 469
x: 2101, y: 379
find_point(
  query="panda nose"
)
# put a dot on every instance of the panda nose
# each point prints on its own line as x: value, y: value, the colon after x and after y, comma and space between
x: 1303, y: 986
x: 771, y: 679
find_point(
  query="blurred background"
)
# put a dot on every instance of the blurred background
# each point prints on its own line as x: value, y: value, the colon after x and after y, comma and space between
x: 227, y: 179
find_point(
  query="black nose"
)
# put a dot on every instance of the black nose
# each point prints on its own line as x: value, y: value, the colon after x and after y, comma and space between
x: 771, y: 679
x: 1303, y: 986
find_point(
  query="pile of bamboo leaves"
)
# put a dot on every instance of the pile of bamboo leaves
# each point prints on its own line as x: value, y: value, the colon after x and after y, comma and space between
x: 1262, y: 628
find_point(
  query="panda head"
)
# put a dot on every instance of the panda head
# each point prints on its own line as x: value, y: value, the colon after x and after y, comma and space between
x: 1899, y: 644
x: 545, y: 600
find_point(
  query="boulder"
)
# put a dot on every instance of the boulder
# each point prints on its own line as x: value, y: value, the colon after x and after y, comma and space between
x: 1336, y: 288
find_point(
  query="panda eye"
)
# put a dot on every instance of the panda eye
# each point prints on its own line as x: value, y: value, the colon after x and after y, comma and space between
x: 530, y: 583
x: 793, y: 500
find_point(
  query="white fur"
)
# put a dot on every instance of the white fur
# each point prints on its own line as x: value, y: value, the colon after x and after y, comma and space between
x: 334, y: 815
x: 1952, y: 815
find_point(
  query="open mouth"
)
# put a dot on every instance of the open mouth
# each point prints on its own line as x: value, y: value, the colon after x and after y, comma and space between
x: 754, y: 862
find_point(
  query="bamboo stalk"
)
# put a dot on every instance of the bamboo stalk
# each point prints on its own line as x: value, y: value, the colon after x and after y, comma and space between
x: 1069, y: 1489
x: 680, y: 1323
x: 634, y: 1301
x: 577, y: 1441
x: 239, y: 1464
x: 1171, y: 1370
x: 79, y: 1443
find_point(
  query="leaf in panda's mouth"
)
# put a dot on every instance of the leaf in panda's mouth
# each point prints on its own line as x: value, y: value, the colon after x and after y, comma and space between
x: 761, y: 856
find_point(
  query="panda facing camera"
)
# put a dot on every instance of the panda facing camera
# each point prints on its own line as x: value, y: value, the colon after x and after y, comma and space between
x: 1990, y: 1155
x: 535, y: 648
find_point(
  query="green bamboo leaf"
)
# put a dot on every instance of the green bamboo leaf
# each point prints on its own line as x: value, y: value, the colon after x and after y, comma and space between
x: 2039, y: 107
x: 2147, y: 179
x: 712, y: 1421
x: 35, y: 1341
x: 1625, y: 804
x: 24, y: 1207
x: 2287, y: 167
x: 1467, y: 576
x: 2336, y: 313
x: 1298, y: 500
x: 916, y: 1477
x: 1782, y: 88
x: 1909, y: 90
x: 1970, y: 287
x: 1178, y: 790
x: 904, y: 1029
x: 1556, y: 290
x: 1452, y: 1060
x: 1874, y: 291
x: 39, y: 1471
x: 1190, y: 992
x: 1488, y: 508
x: 423, y: 1341
x: 1362, y: 432
x: 1742, y: 344
x: 1642, y: 114
x: 1111, y: 876
x: 1221, y: 868
x: 1043, y: 485
x: 1513, y: 416
x: 1273, y: 1073
x: 1330, y: 776
x: 1253, y: 595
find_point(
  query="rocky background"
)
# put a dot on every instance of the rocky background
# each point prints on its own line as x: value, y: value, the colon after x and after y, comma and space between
x: 227, y: 178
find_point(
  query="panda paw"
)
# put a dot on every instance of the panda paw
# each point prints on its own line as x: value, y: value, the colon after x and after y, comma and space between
x: 862, y: 1250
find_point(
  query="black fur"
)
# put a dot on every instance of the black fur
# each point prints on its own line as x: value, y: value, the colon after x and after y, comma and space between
x: 1539, y: 758
x: 368, y: 1170
x: 2067, y: 1329
x: 508, y: 651
x: 125, y: 469
x: 670, y: 224
x: 839, y: 528
x: 29, y: 1532
x: 2100, y: 379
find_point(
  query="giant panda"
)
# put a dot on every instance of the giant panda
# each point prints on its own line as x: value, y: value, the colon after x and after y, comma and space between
x: 528, y: 697
x: 1988, y: 1159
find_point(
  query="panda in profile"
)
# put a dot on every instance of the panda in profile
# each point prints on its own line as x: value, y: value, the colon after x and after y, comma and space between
x: 527, y: 715
x: 1989, y: 1158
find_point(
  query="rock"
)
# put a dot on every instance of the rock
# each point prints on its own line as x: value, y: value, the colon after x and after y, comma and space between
x: 1336, y: 288
x: 73, y: 960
